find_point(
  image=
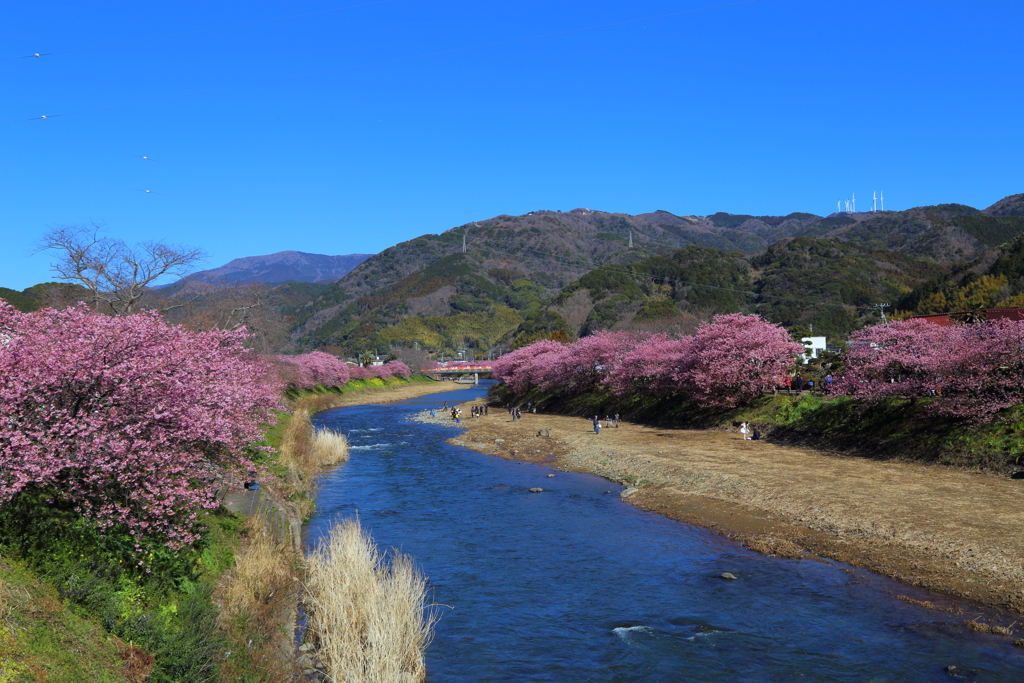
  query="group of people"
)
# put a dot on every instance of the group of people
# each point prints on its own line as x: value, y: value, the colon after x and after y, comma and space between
x: 750, y: 432
x: 608, y: 422
x: 799, y: 383
x: 456, y: 412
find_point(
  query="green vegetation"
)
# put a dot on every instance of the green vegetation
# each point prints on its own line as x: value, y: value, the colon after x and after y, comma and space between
x: 160, y: 601
x: 990, y: 230
x: 54, y: 294
x: 18, y: 300
x: 803, y: 281
x: 830, y: 284
x: 729, y: 220
x: 41, y: 639
x: 983, y: 283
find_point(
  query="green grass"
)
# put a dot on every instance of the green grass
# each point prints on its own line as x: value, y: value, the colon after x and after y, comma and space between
x: 167, y: 611
x: 41, y: 639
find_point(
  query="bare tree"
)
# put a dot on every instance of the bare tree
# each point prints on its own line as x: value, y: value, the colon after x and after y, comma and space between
x: 228, y: 306
x: 116, y: 275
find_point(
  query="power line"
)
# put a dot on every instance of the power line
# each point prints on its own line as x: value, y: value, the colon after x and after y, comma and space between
x: 193, y: 33
x: 387, y: 62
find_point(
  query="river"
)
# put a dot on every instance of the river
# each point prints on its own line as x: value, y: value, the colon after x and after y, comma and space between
x: 573, y: 584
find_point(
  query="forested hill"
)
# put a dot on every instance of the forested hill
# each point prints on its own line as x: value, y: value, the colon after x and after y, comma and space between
x: 428, y: 291
x: 512, y: 262
x: 945, y: 233
x: 557, y: 247
x: 821, y: 283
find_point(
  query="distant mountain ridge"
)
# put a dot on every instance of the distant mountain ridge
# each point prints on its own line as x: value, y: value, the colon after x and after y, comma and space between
x: 283, y: 266
x: 426, y: 289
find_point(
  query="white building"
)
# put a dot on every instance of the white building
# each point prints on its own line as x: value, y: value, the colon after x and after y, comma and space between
x: 814, y: 345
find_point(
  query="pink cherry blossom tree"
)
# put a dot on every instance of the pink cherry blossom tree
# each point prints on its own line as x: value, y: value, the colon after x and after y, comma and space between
x: 901, y: 358
x: 729, y: 361
x: 359, y: 373
x: 127, y: 418
x: 657, y: 365
x: 985, y: 370
x: 734, y: 358
x: 586, y: 363
x: 525, y: 367
x: 308, y: 370
x: 972, y: 371
x: 398, y: 369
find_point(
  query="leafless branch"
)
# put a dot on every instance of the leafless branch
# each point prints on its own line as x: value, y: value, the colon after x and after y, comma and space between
x: 117, y: 275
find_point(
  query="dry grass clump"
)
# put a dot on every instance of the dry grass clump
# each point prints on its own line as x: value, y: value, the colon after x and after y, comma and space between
x: 329, y: 448
x: 981, y: 627
x: 318, y: 403
x: 261, y: 573
x: 369, y: 615
x: 304, y: 450
x: 297, y: 445
x: 255, y: 598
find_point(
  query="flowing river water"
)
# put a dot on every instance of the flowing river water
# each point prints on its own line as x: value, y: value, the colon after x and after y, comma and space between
x: 573, y: 584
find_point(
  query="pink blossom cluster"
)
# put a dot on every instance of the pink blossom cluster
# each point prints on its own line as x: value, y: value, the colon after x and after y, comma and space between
x: 729, y: 361
x: 973, y: 370
x: 128, y: 418
x: 311, y: 369
x: 392, y: 368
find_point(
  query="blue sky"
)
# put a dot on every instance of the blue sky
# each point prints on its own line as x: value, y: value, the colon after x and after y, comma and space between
x: 337, y: 142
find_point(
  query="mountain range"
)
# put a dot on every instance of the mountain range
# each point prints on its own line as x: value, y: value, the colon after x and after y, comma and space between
x: 283, y: 266
x: 521, y: 276
x: 502, y: 282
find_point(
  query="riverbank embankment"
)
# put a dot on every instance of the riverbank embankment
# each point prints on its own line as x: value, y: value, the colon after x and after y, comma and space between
x: 330, y: 573
x: 929, y: 526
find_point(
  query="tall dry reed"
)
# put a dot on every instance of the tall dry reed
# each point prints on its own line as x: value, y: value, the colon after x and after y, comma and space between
x: 304, y: 450
x: 256, y: 608
x: 368, y: 612
x: 261, y: 573
x: 329, y: 448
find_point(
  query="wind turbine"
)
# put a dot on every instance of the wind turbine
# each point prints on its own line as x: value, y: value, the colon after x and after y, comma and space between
x: 883, y: 201
x: 853, y: 201
x: 874, y: 202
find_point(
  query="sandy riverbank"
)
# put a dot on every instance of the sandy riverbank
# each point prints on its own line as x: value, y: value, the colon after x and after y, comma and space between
x: 401, y: 392
x: 953, y: 532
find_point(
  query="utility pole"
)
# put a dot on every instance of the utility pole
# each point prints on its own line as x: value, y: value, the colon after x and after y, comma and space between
x: 881, y: 311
